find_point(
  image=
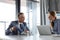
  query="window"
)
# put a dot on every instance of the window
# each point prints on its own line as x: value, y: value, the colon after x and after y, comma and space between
x: 30, y: 9
x: 7, y: 14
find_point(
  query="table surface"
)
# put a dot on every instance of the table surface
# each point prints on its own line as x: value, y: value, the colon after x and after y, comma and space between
x: 50, y: 37
x: 20, y: 37
x: 34, y: 37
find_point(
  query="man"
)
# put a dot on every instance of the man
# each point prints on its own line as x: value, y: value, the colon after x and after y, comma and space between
x: 17, y: 27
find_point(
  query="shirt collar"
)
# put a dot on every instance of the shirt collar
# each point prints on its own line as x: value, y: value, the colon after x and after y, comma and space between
x: 20, y: 23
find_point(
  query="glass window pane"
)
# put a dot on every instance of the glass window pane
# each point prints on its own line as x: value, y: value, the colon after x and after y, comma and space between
x: 7, y: 14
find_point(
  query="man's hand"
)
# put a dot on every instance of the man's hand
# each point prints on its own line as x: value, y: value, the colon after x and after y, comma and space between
x: 26, y: 31
x: 13, y: 28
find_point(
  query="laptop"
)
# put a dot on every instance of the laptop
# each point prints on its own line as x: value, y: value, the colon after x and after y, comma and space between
x: 44, y: 30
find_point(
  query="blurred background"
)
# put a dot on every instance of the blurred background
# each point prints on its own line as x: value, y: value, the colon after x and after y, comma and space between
x: 36, y: 12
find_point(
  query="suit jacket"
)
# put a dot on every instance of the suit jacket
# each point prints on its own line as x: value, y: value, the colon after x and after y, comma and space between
x: 15, y: 23
x: 56, y: 28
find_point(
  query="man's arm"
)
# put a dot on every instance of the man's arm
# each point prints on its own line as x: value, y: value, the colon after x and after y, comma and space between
x: 8, y: 31
x: 26, y: 27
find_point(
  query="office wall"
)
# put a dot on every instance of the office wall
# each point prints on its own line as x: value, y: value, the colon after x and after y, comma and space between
x: 54, y: 5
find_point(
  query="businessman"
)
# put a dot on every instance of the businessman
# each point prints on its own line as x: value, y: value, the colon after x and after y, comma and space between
x: 17, y: 27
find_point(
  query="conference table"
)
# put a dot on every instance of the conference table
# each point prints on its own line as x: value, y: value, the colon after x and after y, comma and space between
x: 20, y: 37
x: 34, y: 37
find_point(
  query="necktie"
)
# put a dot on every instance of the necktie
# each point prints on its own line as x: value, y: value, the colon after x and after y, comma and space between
x: 20, y: 29
x: 20, y: 26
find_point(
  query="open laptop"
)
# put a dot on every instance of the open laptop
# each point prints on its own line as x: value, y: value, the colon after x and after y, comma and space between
x: 44, y: 30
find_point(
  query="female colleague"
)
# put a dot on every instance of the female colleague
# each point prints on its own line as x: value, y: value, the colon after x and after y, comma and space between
x: 52, y: 18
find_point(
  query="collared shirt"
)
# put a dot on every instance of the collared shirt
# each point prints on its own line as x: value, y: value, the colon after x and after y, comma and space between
x: 19, y: 26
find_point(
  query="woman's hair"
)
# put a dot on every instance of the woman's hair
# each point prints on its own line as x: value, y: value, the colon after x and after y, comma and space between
x: 52, y: 13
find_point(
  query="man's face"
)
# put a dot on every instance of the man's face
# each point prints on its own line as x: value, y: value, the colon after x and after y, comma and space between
x: 21, y: 18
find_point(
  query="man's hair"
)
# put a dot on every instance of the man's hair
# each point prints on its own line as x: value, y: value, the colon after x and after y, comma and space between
x: 52, y: 13
x: 20, y: 14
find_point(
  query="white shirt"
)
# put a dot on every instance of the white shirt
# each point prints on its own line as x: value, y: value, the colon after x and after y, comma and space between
x: 19, y: 26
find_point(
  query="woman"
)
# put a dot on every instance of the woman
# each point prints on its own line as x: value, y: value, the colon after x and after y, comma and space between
x: 52, y: 18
